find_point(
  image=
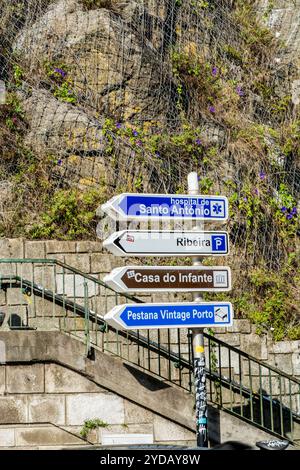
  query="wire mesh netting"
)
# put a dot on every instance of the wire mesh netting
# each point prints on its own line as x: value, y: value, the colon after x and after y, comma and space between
x: 105, y: 96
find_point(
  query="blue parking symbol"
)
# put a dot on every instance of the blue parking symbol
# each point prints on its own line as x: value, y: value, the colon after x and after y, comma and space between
x: 219, y: 243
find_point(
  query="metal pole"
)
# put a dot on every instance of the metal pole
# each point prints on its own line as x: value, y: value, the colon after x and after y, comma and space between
x: 198, y: 347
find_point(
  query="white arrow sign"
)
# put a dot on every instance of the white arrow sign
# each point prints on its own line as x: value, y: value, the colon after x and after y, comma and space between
x: 176, y: 315
x: 169, y: 278
x: 167, y: 243
x: 128, y: 206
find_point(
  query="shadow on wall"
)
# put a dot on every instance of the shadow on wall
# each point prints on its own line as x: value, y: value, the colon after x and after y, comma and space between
x: 268, y: 412
x: 15, y: 322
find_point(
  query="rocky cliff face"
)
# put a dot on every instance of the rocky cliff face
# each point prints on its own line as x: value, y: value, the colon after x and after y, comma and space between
x: 108, y: 95
x: 282, y: 17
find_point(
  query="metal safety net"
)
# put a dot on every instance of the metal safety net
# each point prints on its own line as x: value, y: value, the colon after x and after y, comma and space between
x: 105, y: 96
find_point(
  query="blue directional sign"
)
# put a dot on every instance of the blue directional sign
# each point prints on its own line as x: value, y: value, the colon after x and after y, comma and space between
x: 128, y: 206
x: 175, y: 315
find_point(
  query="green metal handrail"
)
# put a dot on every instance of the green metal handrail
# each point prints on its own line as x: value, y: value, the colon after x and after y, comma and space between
x: 48, y: 294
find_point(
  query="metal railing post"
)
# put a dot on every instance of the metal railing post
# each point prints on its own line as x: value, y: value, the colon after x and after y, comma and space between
x: 198, y: 347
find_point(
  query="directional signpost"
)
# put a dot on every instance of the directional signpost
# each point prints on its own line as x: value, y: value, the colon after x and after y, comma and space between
x: 167, y: 243
x: 166, y: 206
x: 169, y: 278
x: 196, y: 243
x: 175, y: 315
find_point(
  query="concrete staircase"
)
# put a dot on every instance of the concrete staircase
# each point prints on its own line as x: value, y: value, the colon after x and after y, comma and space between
x: 50, y: 388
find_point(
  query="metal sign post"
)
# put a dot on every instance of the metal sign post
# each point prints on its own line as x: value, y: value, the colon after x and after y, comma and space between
x: 198, y: 350
x: 197, y: 243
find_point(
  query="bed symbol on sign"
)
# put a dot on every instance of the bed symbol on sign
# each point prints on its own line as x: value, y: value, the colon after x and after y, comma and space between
x: 130, y: 274
x: 221, y: 314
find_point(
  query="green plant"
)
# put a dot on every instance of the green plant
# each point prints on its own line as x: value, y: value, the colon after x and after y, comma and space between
x: 63, y: 86
x: 205, y: 184
x: 71, y: 214
x: 18, y: 75
x: 65, y: 93
x: 233, y: 53
x: 92, y: 424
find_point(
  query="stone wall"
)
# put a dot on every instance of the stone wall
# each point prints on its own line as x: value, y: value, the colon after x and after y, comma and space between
x: 36, y: 394
x: 89, y: 257
x: 48, y: 387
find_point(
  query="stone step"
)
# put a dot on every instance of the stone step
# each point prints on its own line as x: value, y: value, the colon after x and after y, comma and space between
x: 36, y: 435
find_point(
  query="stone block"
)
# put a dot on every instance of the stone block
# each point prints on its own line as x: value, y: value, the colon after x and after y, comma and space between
x: 102, y: 305
x: 8, y: 269
x: 233, y: 339
x: 165, y: 430
x: 105, y: 406
x: 79, y: 261
x: 61, y: 380
x: 104, y: 263
x: 2, y: 352
x: 45, y: 324
x: 7, y: 437
x: 160, y: 297
x: 284, y: 347
x: 44, y: 436
x: 45, y: 276
x: 25, y: 379
x: 46, y: 409
x: 2, y: 380
x: 75, y: 285
x: 135, y: 414
x: 240, y: 326
x: 45, y: 308
x: 256, y: 368
x: 88, y: 247
x: 58, y: 257
x: 35, y: 249
x: 26, y: 270
x: 16, y: 248
x: 72, y: 324
x: 15, y: 296
x: 227, y: 361
x: 13, y: 410
x: 296, y: 364
x: 55, y: 246
x: 2, y: 296
x: 255, y: 346
x: 284, y: 363
x: 4, y: 248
